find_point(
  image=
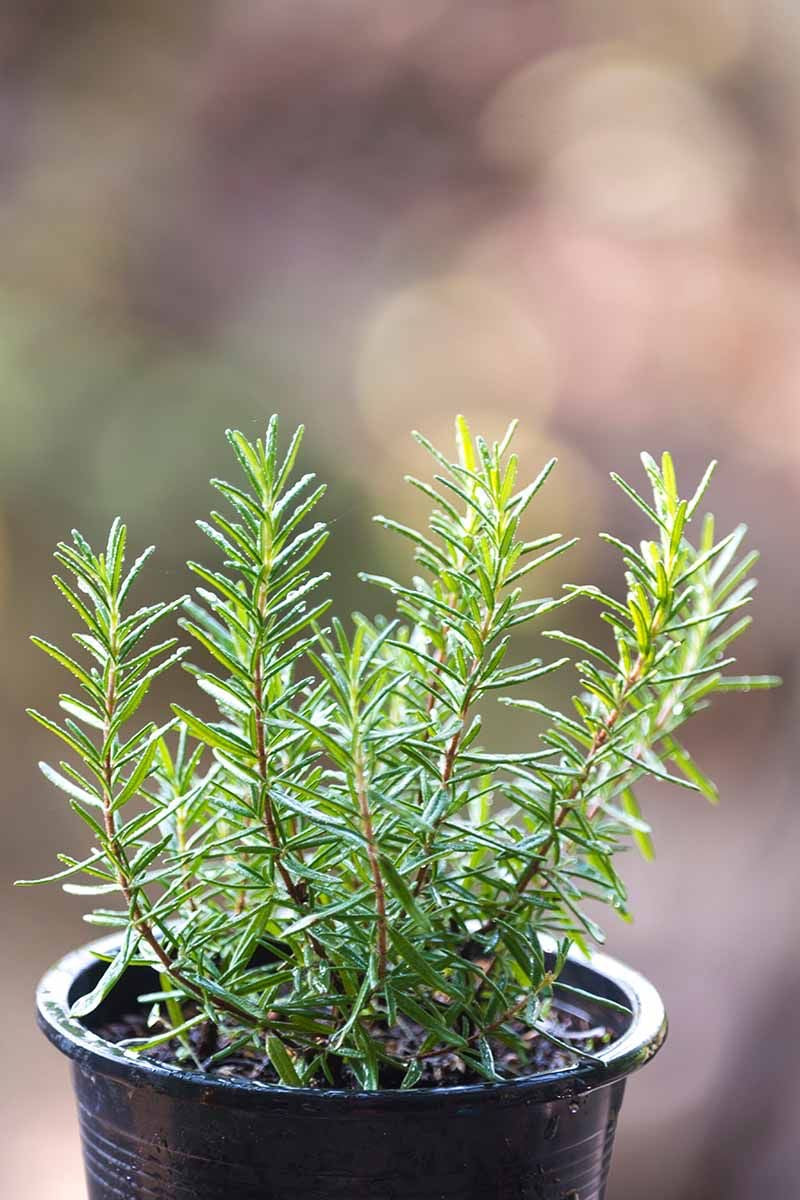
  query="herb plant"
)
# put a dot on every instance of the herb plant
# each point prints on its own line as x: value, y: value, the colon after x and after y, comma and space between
x: 333, y: 851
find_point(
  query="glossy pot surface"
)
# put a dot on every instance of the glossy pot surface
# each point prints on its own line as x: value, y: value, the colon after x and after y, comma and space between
x: 151, y: 1132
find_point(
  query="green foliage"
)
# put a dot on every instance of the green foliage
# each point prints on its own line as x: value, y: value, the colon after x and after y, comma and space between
x: 333, y: 849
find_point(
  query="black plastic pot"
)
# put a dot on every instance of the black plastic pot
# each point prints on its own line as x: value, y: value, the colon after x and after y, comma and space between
x: 155, y: 1133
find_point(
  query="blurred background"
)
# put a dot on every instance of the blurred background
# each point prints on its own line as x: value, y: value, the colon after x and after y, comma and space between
x: 370, y: 216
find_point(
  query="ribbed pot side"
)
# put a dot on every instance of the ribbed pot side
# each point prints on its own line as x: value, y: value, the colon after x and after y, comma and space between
x: 153, y: 1133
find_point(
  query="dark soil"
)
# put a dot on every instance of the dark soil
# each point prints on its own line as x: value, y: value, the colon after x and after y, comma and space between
x: 445, y: 1069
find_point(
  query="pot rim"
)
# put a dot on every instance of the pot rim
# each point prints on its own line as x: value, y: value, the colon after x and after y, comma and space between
x: 632, y: 1049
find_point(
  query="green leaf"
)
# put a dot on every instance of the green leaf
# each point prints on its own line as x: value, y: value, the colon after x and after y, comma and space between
x: 684, y: 761
x: 747, y: 683
x: 604, y: 1001
x: 214, y: 737
x: 487, y: 1058
x: 412, y: 1076
x: 701, y: 489
x: 430, y: 1022
x: 341, y: 1034
x: 282, y: 1061
x: 133, y: 574
x: 70, y: 664
x: 465, y: 448
x: 556, y: 552
x: 73, y: 868
x: 289, y: 459
x: 421, y: 964
x: 643, y: 840
x: 142, y: 1045
x: 403, y: 893
x: 637, y: 499
x: 137, y: 777
x: 248, y: 459
x: 649, y: 767
x: 112, y: 974
x: 518, y: 504
x: 668, y: 477
x: 66, y: 736
x: 705, y: 617
x: 83, y: 612
x: 323, y: 914
x: 583, y: 645
x: 90, y: 889
x: 72, y: 789
x: 677, y: 529
x: 83, y: 712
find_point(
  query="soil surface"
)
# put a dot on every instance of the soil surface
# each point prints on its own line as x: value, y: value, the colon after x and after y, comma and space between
x: 445, y: 1069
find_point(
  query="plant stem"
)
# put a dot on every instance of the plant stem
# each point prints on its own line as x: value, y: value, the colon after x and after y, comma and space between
x: 296, y: 891
x: 455, y: 741
x: 117, y: 855
x: 598, y: 741
x: 374, y: 863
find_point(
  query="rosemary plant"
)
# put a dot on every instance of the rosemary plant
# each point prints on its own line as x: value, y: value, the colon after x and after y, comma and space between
x: 332, y: 853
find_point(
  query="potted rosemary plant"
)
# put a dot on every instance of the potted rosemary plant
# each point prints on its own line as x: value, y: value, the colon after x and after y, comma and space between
x: 350, y: 955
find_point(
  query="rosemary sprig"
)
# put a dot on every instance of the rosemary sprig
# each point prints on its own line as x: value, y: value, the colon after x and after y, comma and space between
x: 329, y: 850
